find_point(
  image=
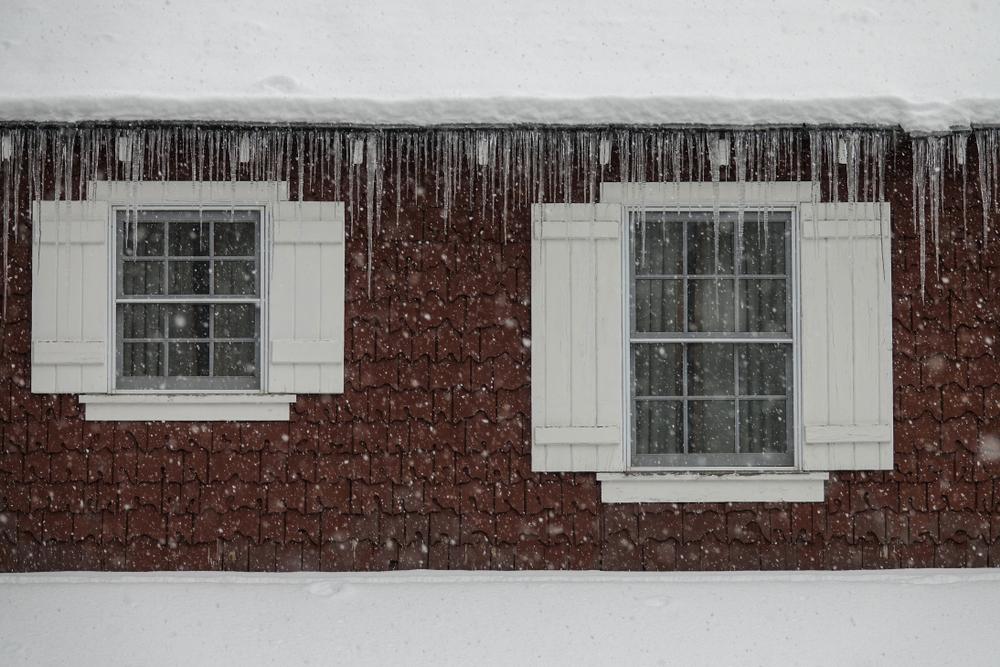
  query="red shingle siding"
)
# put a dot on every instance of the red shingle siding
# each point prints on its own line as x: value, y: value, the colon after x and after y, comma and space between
x: 423, y: 462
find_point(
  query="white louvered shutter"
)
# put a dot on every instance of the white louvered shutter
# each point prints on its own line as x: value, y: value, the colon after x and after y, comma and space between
x: 576, y: 341
x: 69, y: 297
x: 846, y: 336
x: 306, y: 299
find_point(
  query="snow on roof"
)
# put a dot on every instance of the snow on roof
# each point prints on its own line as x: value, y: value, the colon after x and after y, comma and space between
x: 924, y: 65
x: 914, y: 617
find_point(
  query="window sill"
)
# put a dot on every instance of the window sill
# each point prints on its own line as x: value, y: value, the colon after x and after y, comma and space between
x: 186, y: 407
x: 684, y: 487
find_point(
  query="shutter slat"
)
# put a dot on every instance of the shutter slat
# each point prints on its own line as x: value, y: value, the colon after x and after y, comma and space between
x: 306, y: 300
x: 576, y: 353
x: 846, y: 337
x: 583, y: 295
x: 69, y: 299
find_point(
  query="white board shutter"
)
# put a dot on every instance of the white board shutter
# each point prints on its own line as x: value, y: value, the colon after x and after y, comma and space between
x: 306, y: 299
x: 69, y: 297
x: 846, y: 336
x: 576, y: 341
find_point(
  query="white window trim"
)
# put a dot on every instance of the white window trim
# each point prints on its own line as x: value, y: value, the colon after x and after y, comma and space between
x: 752, y: 484
x: 144, y: 405
x: 700, y: 487
x: 186, y: 407
x: 262, y: 299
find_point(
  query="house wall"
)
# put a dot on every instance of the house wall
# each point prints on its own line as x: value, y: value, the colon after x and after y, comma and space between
x: 424, y: 461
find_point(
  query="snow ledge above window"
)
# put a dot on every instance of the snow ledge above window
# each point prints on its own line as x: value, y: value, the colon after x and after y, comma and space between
x: 187, y: 407
x: 697, y: 487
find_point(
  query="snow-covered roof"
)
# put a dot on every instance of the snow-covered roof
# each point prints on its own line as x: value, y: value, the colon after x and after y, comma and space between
x: 924, y: 64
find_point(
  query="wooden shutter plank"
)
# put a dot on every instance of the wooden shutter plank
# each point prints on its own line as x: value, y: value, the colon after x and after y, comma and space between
x: 309, y: 298
x: 846, y: 337
x: 840, y: 333
x: 815, y: 376
x: 70, y: 294
x: 306, y: 300
x: 865, y: 272
x: 582, y: 297
x: 609, y: 336
x: 576, y: 338
x: 557, y: 353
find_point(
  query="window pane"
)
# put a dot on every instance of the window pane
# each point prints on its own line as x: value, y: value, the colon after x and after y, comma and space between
x: 143, y: 239
x: 711, y: 427
x: 764, y: 249
x: 189, y: 238
x: 189, y: 320
x: 710, y: 305
x: 657, y: 247
x: 236, y: 320
x: 141, y: 320
x: 142, y: 278
x: 659, y: 305
x: 701, y: 250
x: 236, y: 238
x: 764, y: 369
x: 189, y: 277
x: 235, y: 277
x: 142, y: 359
x: 711, y: 369
x: 190, y: 359
x: 763, y: 305
x: 657, y: 370
x: 659, y: 427
x: 763, y: 426
x: 235, y: 359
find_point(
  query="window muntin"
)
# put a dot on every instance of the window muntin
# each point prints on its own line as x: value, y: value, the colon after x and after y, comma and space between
x: 187, y: 300
x: 711, y: 345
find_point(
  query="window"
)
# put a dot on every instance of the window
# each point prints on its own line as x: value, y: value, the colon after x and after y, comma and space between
x: 684, y: 362
x: 187, y: 302
x: 711, y: 346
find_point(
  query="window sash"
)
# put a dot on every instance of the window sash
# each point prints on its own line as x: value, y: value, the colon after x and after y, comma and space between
x: 209, y: 217
x: 685, y: 336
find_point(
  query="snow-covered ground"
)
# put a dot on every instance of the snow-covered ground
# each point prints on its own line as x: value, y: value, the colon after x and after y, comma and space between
x: 927, y: 65
x: 917, y: 617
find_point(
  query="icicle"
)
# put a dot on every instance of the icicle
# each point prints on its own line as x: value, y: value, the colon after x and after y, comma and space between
x: 986, y: 150
x: 716, y: 162
x: 959, y: 144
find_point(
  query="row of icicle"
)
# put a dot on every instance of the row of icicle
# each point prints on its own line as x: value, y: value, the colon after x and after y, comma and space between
x: 494, y: 170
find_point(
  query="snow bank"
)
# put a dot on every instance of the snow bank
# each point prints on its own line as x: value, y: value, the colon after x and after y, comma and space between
x: 924, y: 65
x: 922, y: 617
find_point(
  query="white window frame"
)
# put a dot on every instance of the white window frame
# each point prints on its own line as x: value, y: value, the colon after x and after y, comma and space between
x: 627, y: 335
x: 711, y: 484
x: 262, y: 299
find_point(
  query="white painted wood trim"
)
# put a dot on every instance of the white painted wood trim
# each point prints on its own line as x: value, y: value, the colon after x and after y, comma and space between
x: 81, y: 231
x: 850, y: 433
x: 775, y: 193
x: 576, y: 350
x: 847, y: 336
x: 848, y: 456
x: 576, y: 457
x: 560, y: 229
x: 84, y: 353
x: 244, y: 193
x: 802, y: 487
x: 292, y: 351
x: 578, y: 435
x: 187, y: 407
x: 286, y: 231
